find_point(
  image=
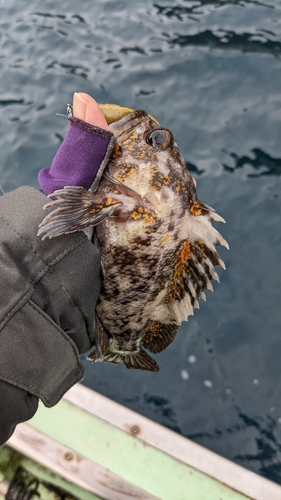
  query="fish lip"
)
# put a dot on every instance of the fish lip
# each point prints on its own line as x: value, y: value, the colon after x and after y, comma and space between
x: 123, y: 127
x: 131, y: 116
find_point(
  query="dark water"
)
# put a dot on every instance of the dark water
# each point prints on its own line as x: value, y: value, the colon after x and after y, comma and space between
x: 211, y: 72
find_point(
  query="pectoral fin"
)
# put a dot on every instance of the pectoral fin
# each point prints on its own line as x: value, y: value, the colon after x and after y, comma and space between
x: 75, y: 209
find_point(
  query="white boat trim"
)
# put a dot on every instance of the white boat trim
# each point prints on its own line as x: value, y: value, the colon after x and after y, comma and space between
x: 77, y: 469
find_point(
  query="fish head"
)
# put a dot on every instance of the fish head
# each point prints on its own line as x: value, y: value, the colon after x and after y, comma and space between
x: 146, y: 158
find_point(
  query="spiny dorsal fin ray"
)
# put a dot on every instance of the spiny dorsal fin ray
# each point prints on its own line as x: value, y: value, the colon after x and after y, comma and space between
x: 193, y: 268
x: 200, y: 208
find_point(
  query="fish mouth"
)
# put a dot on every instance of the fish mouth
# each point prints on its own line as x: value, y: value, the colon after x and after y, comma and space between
x: 123, y: 128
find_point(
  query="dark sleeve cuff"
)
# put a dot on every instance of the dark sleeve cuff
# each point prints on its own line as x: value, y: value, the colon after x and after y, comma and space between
x: 90, y: 128
x: 16, y: 406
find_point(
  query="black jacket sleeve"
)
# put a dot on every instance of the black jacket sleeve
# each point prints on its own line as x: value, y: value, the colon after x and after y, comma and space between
x: 48, y: 292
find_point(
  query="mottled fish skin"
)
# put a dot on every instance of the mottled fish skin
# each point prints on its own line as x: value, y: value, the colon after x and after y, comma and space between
x: 156, y: 239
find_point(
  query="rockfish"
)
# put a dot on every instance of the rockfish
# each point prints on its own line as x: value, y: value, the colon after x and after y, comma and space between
x: 157, y: 242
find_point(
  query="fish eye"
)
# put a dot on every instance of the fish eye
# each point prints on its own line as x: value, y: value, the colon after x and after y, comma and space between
x: 160, y: 138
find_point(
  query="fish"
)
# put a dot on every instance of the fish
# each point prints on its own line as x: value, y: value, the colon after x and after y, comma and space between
x: 156, y: 239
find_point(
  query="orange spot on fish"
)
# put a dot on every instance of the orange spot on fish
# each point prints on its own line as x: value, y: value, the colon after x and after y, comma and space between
x: 109, y: 202
x: 195, y: 208
x: 185, y: 251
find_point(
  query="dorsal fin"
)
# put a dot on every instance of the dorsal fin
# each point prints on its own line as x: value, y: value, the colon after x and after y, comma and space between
x: 193, y: 268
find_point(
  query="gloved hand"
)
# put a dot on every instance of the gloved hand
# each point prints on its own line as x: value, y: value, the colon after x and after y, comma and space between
x: 48, y: 288
x: 85, y: 150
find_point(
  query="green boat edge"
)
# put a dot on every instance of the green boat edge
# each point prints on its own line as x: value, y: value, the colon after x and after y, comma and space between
x: 92, y: 448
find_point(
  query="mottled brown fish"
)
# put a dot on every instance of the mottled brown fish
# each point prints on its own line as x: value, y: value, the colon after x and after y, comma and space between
x: 156, y: 240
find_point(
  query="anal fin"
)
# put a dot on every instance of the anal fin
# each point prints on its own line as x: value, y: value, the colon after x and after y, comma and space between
x: 158, y: 336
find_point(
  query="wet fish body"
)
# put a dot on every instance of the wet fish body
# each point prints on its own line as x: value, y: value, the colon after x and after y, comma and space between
x: 157, y: 242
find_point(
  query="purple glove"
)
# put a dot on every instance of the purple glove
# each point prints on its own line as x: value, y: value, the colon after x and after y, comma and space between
x: 81, y: 158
